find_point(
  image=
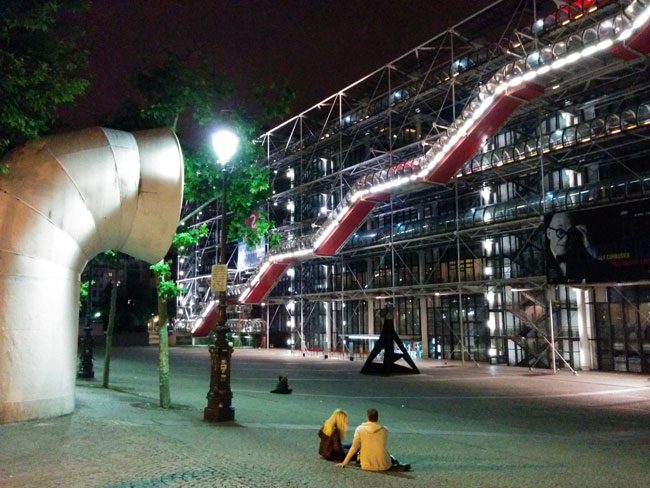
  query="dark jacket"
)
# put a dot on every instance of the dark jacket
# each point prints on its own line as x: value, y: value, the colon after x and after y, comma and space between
x: 330, y: 446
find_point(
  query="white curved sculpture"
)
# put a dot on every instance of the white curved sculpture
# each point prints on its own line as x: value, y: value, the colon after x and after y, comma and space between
x: 66, y: 199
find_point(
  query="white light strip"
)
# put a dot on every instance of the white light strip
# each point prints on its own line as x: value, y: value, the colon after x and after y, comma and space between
x: 200, y: 318
x: 302, y: 252
x: 625, y: 35
x: 638, y: 22
x: 363, y: 336
x: 389, y: 184
x: 559, y: 63
x: 573, y: 57
x: 244, y: 295
x: 326, y: 233
x: 462, y: 131
x: 289, y: 255
x: 641, y: 19
x: 529, y: 75
x: 607, y: 43
x: 516, y: 81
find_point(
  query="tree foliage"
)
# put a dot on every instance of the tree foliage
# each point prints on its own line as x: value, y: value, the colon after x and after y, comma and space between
x: 167, y: 289
x: 108, y: 258
x: 247, y: 186
x: 171, y: 89
x: 185, y: 239
x: 84, y: 290
x: 40, y: 62
x: 275, y: 100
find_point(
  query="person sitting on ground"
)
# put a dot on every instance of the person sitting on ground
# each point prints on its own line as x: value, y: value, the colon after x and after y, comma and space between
x: 331, y: 435
x: 370, y: 440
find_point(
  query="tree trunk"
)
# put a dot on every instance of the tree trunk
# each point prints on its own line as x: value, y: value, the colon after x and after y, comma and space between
x: 163, y: 355
x: 109, y: 335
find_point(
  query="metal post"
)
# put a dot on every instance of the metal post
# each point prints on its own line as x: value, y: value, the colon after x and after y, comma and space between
x: 328, y: 327
x: 302, y: 317
x: 458, y: 284
x: 268, y: 321
x: 86, y: 355
x: 550, y: 315
x: 219, y: 396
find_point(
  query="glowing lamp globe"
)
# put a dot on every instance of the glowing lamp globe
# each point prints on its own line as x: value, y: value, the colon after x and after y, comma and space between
x: 224, y: 144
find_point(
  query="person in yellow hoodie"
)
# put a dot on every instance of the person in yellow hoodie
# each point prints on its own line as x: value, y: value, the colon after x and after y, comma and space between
x: 370, y: 441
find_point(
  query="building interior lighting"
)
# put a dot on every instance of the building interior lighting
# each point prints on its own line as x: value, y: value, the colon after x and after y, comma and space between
x: 487, y: 245
x: 487, y: 96
x: 486, y: 194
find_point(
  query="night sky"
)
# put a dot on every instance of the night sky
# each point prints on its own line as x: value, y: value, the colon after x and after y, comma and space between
x: 320, y: 47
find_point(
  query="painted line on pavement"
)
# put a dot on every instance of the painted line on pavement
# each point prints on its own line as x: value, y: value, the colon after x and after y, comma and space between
x: 437, y: 432
x: 645, y: 389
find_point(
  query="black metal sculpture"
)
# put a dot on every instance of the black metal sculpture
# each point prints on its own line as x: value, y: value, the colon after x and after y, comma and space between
x: 283, y: 386
x: 387, y: 338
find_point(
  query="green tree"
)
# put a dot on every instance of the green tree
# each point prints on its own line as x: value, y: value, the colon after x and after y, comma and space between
x: 166, y: 291
x: 112, y: 258
x: 186, y: 97
x: 171, y: 89
x: 275, y: 100
x: 247, y: 183
x: 84, y: 290
x: 40, y: 62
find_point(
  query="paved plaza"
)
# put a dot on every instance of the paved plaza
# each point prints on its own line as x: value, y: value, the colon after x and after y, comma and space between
x: 457, y: 424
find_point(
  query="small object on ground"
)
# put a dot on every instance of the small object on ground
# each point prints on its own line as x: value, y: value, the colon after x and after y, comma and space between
x: 283, y: 386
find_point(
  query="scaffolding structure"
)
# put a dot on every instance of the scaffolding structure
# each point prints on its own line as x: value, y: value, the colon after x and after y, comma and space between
x: 461, y: 256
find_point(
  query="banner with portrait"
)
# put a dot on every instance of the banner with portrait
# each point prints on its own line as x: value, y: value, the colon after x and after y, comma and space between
x: 600, y: 245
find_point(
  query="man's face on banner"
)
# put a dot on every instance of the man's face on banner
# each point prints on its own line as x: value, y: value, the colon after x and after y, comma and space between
x: 557, y: 233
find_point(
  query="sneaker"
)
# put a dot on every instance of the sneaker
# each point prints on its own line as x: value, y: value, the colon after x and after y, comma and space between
x: 402, y: 467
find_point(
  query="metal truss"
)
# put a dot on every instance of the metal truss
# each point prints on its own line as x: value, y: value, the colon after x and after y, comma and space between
x: 395, y: 114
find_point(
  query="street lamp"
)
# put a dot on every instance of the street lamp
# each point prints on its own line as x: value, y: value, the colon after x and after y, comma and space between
x: 219, y: 409
x: 225, y: 143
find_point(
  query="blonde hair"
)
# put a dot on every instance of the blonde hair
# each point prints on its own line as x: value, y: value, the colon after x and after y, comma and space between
x: 338, y: 420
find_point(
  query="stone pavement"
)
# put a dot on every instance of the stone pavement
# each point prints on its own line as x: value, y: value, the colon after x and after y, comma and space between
x: 458, y: 425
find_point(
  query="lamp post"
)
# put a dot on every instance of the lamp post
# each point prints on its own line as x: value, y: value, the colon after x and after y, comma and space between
x: 219, y: 409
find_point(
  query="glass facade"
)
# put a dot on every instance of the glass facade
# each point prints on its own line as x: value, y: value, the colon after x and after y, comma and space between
x: 466, y: 261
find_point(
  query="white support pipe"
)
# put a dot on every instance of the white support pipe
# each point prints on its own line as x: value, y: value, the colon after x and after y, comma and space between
x: 586, y: 327
x: 371, y: 316
x: 551, y: 319
x: 65, y: 199
x: 328, y: 327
